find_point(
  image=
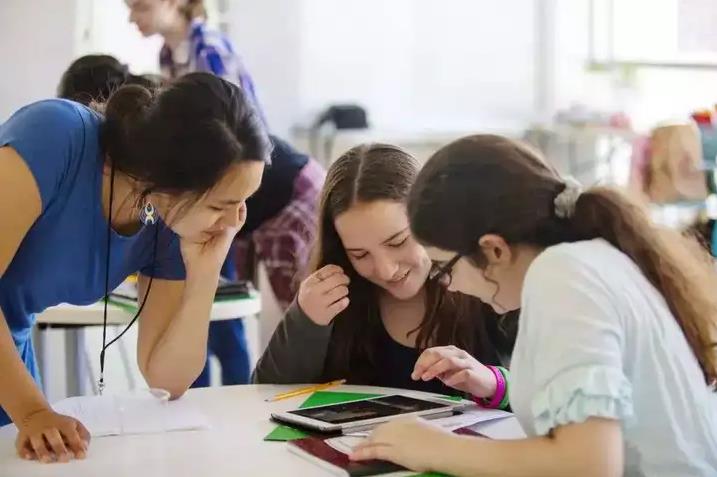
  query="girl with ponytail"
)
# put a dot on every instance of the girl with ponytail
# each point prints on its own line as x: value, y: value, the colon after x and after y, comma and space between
x: 615, y: 363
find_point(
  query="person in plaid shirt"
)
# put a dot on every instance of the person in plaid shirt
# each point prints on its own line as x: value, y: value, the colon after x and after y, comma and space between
x: 281, y: 241
x: 189, y: 43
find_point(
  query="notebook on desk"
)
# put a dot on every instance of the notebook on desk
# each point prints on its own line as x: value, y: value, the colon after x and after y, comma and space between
x: 132, y: 413
x: 332, y: 454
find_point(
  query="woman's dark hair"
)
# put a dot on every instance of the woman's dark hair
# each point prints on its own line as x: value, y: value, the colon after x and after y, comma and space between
x: 380, y: 172
x: 93, y: 78
x: 182, y: 139
x: 488, y: 184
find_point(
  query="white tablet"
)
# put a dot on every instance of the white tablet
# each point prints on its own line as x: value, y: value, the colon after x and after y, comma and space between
x: 364, y: 413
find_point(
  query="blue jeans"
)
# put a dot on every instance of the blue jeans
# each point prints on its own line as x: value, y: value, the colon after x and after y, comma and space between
x: 227, y: 341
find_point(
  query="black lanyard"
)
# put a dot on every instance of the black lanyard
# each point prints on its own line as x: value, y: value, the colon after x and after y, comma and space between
x: 101, y: 384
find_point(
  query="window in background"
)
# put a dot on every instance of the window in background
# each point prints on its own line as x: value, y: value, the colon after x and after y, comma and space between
x: 669, y: 33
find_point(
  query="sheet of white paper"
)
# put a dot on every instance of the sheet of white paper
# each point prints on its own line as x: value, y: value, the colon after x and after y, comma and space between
x: 500, y: 429
x: 470, y: 417
x: 345, y: 444
x: 132, y: 413
x: 99, y: 414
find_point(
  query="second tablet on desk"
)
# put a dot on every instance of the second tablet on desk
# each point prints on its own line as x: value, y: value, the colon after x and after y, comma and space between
x: 364, y: 413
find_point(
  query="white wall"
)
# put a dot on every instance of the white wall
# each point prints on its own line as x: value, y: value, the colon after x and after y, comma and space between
x: 104, y: 28
x: 267, y: 35
x: 40, y: 38
x: 358, y: 52
x: 475, y: 60
x: 415, y: 64
x: 36, y: 43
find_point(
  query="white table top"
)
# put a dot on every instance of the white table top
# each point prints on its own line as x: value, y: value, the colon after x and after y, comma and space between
x: 233, y: 447
x: 65, y: 314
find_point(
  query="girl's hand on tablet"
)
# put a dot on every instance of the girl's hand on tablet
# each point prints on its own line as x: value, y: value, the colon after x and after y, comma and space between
x: 455, y: 368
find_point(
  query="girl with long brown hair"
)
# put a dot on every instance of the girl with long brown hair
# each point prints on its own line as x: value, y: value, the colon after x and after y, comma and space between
x: 368, y: 309
x: 614, y: 365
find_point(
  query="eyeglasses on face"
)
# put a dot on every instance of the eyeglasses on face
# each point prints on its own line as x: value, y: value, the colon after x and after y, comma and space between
x: 443, y: 274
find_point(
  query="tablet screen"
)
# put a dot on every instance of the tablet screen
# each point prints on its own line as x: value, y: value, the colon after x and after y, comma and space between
x: 368, y: 409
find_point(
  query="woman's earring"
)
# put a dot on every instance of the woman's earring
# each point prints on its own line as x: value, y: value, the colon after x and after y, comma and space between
x: 147, y: 214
